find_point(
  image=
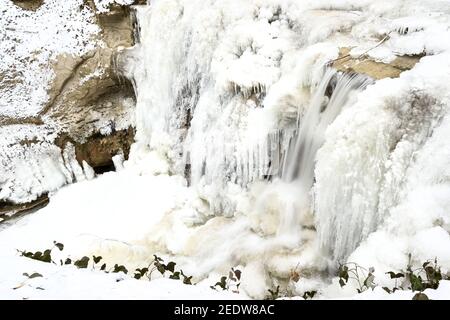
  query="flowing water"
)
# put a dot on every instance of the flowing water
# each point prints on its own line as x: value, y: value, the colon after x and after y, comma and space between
x: 330, y: 97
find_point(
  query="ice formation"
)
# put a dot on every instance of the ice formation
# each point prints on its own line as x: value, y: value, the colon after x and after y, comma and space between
x: 224, y: 89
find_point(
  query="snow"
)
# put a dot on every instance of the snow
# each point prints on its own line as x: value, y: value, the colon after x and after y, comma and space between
x: 379, y: 294
x: 31, y: 43
x: 92, y: 285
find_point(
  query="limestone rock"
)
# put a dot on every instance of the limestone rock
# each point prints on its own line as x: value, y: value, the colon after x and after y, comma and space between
x: 90, y: 107
x: 32, y: 5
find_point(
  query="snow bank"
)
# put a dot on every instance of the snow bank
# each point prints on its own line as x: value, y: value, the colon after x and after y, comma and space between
x: 68, y: 282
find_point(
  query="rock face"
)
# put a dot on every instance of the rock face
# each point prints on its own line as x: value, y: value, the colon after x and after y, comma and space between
x: 98, y: 150
x: 32, y: 5
x: 88, y: 117
x: 374, y: 69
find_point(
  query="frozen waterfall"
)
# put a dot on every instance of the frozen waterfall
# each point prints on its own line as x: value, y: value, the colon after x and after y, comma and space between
x: 218, y: 128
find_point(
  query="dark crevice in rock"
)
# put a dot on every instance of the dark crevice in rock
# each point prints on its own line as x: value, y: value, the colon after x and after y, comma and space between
x: 98, y: 150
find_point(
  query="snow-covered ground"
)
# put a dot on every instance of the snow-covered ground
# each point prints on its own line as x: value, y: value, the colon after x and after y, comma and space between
x: 119, y: 216
x: 110, y: 216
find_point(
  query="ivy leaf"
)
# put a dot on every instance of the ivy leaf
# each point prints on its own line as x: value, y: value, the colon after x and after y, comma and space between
x: 171, y: 266
x: 37, y: 255
x: 309, y: 294
x: 420, y: 296
x: 118, y: 269
x: 416, y: 282
x: 160, y: 267
x: 97, y: 259
x: 82, y: 263
x: 274, y: 294
x: 391, y: 274
x: 369, y: 280
x: 28, y: 254
x: 140, y: 273
x: 103, y: 267
x: 343, y: 273
x: 68, y: 261
x: 222, y: 283
x: 175, y: 276
x: 47, y: 257
x: 394, y: 275
x: 33, y: 275
x: 60, y: 246
x: 187, y: 280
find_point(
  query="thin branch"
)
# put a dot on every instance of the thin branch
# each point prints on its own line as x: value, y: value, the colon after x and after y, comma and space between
x: 362, y: 54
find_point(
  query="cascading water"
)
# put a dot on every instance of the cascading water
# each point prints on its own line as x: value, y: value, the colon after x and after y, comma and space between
x: 330, y: 96
x: 323, y: 109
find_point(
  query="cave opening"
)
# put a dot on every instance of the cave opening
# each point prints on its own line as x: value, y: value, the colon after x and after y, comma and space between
x: 107, y: 167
